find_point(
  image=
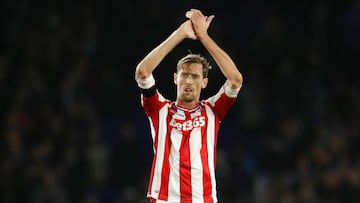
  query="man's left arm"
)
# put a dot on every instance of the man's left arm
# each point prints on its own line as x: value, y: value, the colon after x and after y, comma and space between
x: 227, y: 66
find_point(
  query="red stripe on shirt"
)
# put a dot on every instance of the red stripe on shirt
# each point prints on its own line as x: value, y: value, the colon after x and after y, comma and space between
x: 155, y: 120
x: 216, y: 138
x: 165, y: 174
x: 204, y: 159
x: 185, y: 167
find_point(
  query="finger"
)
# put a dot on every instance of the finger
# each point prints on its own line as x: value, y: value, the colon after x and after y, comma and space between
x: 210, y: 18
x: 196, y: 12
x: 188, y: 14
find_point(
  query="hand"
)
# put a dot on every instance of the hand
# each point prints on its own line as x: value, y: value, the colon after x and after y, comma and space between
x: 187, y: 29
x: 200, y: 22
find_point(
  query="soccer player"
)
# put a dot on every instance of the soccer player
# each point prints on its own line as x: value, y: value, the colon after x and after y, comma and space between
x: 185, y: 131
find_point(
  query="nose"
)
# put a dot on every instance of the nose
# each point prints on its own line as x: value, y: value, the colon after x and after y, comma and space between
x: 188, y: 80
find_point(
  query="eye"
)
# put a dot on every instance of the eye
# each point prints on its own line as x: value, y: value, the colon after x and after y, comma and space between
x: 184, y: 75
x: 195, y: 76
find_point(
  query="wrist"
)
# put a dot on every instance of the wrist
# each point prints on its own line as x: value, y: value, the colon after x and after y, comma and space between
x: 180, y: 34
x: 203, y: 37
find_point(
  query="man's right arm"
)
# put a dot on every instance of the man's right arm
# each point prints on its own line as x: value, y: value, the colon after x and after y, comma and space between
x: 146, y: 66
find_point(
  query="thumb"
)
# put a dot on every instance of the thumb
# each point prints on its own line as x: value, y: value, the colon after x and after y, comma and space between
x: 210, y: 18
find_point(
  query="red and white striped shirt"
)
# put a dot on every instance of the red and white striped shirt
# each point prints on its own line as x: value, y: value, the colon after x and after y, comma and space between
x: 184, y: 145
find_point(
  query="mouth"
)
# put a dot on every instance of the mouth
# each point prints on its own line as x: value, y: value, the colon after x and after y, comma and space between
x: 188, y: 89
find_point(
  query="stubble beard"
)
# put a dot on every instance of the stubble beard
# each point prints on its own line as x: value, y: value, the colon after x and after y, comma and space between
x: 187, y: 98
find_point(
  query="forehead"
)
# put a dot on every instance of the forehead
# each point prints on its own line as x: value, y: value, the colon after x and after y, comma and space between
x: 191, y: 68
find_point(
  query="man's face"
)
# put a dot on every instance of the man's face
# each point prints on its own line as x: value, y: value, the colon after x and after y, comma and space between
x: 190, y: 81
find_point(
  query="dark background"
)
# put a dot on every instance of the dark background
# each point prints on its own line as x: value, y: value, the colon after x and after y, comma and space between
x: 73, y: 130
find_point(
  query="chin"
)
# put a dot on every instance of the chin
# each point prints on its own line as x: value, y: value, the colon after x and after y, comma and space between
x: 187, y: 99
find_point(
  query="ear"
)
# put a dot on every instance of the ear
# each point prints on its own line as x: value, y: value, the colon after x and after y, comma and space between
x: 204, y: 83
x: 175, y: 78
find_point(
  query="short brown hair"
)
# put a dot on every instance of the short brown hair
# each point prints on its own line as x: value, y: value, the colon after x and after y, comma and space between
x: 195, y: 58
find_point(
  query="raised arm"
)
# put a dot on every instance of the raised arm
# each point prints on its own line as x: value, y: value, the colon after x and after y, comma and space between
x: 201, y: 24
x: 145, y: 68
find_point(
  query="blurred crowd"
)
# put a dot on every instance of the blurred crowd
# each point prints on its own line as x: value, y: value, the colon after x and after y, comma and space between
x: 73, y: 130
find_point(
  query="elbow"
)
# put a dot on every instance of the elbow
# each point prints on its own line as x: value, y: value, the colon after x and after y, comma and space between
x: 141, y: 73
x: 236, y: 81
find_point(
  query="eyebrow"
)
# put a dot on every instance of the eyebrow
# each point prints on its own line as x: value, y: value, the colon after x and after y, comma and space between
x: 192, y: 74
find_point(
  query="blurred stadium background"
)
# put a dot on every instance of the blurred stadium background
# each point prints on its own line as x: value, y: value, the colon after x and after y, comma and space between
x: 73, y: 130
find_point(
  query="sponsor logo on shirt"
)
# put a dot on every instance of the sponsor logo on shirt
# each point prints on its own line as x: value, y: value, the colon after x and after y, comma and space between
x: 187, y: 125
